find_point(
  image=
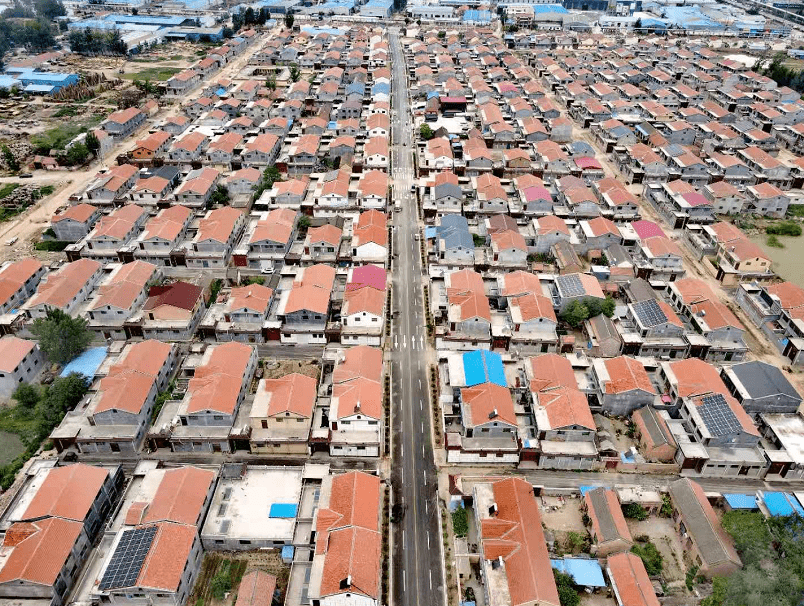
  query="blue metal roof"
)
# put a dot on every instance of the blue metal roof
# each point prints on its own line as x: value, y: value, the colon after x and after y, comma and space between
x: 8, y: 81
x: 87, y: 363
x: 483, y: 366
x: 782, y: 504
x: 477, y: 16
x: 586, y: 572
x: 283, y: 510
x: 741, y: 501
x: 287, y: 552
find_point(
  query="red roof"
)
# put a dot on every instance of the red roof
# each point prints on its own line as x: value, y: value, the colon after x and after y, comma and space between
x: 67, y: 492
x: 647, y: 229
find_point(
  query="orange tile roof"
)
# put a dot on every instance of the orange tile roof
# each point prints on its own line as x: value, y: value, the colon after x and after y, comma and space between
x: 127, y: 284
x: 264, y: 143
x: 168, y: 224
x: 551, y: 223
x: 15, y: 275
x: 660, y: 246
x: 256, y: 589
x: 533, y: 305
x: 294, y: 393
x: 791, y: 296
x: 506, y: 240
x: 39, y: 550
x: 164, y: 565
x: 276, y: 227
x: 354, y: 500
x: 313, y: 291
x: 549, y: 371
x: 602, y: 225
x: 359, y: 361
x: 482, y: 400
x: 67, y: 492
x: 348, y: 536
x: 515, y: 534
x: 119, y: 223
x: 634, y: 587
x: 699, y: 296
x: 191, y: 141
x: 12, y: 351
x: 219, y: 224
x: 627, y: 374
x: 326, y: 233
x: 59, y: 287
x: 254, y: 297
x: 520, y: 282
x: 696, y: 377
x: 180, y: 496
x: 216, y: 385
x: 80, y: 212
x: 128, y: 383
x: 369, y: 300
x: 358, y: 396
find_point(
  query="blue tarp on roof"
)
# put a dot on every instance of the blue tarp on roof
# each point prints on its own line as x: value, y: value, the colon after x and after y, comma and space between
x: 585, y: 489
x: 741, y: 501
x: 87, y: 363
x: 549, y: 8
x: 586, y: 572
x: 483, y: 366
x: 287, y: 552
x: 782, y: 504
x: 283, y: 510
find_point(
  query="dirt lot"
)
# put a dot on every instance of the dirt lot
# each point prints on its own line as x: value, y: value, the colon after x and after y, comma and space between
x: 239, y: 563
x: 597, y: 599
x: 562, y: 515
x: 662, y: 534
x: 275, y: 369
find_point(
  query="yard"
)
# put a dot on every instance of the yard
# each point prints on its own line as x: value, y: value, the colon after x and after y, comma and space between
x: 562, y: 516
x: 274, y: 369
x: 11, y: 447
x: 160, y: 73
x: 662, y: 533
x: 221, y: 574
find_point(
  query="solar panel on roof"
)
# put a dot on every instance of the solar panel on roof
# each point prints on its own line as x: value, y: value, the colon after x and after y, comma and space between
x: 649, y: 313
x: 126, y: 563
x: 718, y: 416
x: 571, y: 286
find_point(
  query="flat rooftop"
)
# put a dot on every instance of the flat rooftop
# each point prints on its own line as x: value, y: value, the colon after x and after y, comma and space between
x: 251, y: 504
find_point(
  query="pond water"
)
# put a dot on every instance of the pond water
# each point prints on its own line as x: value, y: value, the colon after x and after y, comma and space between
x: 788, y: 262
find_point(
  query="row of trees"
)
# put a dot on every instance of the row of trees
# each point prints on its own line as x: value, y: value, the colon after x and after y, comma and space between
x: 580, y: 310
x: 90, y: 42
x: 259, y: 17
x: 32, y: 34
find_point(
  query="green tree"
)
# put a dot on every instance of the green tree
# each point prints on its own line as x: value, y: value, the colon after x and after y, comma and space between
x: 220, y: 197
x: 62, y: 395
x: 638, y: 24
x: 304, y: 223
x: 77, y: 154
x: 27, y: 396
x: 718, y: 596
x: 597, y: 306
x: 61, y: 337
x: 11, y: 160
x: 227, y: 32
x: 270, y: 82
x: 50, y: 9
x: 295, y: 72
x: 567, y: 594
x: 575, y: 313
x: 289, y: 19
x: 425, y: 132
x: 92, y: 143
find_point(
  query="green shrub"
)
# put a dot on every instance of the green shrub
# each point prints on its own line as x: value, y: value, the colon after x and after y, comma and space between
x: 51, y: 245
x: 650, y: 557
x: 635, y: 511
x: 774, y: 242
x: 784, y: 228
x: 460, y: 522
x: 567, y: 594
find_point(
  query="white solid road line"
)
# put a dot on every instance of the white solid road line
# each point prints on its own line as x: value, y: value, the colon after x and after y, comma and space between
x: 403, y: 539
x: 428, y: 536
x: 431, y: 579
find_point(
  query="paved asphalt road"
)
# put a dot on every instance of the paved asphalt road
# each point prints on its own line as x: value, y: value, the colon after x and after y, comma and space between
x: 417, y: 561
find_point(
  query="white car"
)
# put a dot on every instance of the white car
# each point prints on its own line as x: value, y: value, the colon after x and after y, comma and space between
x: 266, y: 270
